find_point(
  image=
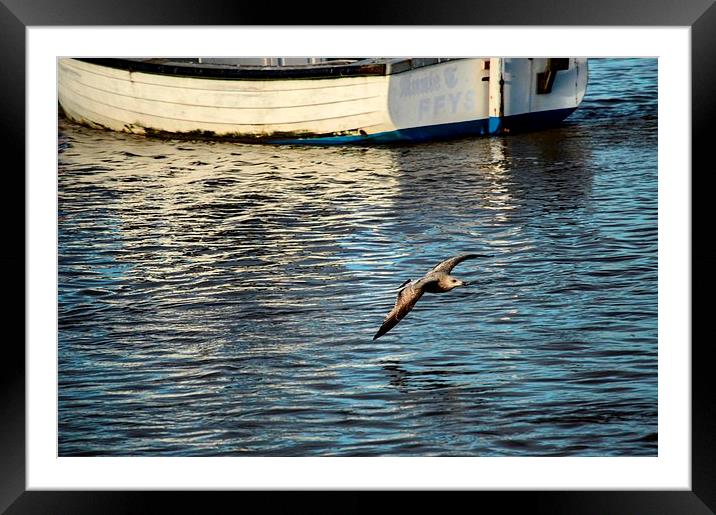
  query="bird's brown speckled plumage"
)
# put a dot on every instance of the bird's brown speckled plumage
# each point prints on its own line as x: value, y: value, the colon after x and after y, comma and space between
x: 437, y: 280
x: 447, y: 265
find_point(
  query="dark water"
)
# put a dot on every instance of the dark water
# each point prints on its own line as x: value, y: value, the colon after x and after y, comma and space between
x: 220, y: 299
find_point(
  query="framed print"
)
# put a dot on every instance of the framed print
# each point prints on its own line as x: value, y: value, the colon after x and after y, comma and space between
x: 203, y: 310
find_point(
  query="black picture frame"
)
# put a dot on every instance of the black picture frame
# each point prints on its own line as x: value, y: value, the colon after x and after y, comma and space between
x: 17, y: 15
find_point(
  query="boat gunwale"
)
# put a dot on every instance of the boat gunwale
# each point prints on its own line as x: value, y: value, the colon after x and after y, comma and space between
x: 362, y: 68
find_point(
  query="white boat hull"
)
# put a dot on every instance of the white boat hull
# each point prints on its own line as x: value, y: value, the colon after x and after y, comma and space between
x: 449, y: 98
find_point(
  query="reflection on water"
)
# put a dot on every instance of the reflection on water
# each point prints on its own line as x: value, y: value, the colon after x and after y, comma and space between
x: 220, y: 299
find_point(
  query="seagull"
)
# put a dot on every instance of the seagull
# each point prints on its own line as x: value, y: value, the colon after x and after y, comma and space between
x: 437, y: 280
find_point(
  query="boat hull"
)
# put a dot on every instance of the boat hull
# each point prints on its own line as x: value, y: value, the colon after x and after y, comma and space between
x: 451, y: 98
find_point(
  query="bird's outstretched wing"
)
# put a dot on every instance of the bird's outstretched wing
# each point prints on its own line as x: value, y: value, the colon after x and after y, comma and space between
x: 407, y: 297
x: 447, y: 265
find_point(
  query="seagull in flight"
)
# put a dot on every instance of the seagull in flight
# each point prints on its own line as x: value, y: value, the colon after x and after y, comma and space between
x: 437, y: 280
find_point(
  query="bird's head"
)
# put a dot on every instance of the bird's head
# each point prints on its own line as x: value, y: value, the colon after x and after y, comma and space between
x: 449, y: 282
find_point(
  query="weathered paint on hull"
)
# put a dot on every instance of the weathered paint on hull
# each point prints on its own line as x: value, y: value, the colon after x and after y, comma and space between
x: 450, y: 99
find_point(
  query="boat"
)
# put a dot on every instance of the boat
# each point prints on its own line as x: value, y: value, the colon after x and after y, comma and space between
x: 320, y: 100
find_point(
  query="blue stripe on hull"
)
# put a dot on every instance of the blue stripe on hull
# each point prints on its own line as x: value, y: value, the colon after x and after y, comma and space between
x: 484, y: 127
